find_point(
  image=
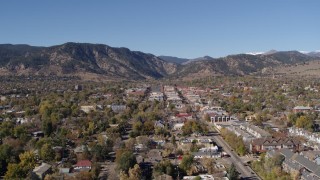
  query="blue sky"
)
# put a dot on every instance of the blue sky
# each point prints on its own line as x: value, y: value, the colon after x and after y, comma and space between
x: 182, y: 28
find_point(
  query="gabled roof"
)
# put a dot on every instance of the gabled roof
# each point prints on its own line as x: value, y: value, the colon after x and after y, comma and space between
x: 83, y: 163
x: 269, y: 141
x: 287, y: 153
x: 44, y: 167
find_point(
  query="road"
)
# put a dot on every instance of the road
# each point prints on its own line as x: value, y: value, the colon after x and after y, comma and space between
x: 246, y: 171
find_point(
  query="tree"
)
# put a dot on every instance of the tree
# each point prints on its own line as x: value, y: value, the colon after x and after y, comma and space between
x: 123, y: 176
x: 125, y: 159
x: 163, y: 167
x: 233, y: 174
x: 14, y: 171
x: 208, y: 164
x: 304, y: 122
x: 47, y: 127
x: 186, y: 162
x: 21, y: 132
x: 6, y: 129
x: 47, y: 153
x: 173, y: 140
x: 135, y: 173
x: 207, y: 117
x: 21, y: 170
x: 5, y: 155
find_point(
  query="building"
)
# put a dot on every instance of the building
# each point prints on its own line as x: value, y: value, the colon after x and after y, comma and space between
x: 266, y: 144
x: 304, y: 109
x: 83, y: 165
x: 78, y: 87
x: 214, y: 118
x: 312, y: 156
x: 211, y: 152
x: 255, y: 130
x: 88, y: 109
x: 41, y: 171
x: 158, y: 96
x: 295, y: 163
x: 202, y: 177
x: 311, y: 137
x: 117, y: 108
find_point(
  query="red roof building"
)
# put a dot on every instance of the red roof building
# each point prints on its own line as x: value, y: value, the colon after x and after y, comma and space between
x: 83, y: 164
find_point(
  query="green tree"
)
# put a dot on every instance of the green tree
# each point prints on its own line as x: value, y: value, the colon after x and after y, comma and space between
x: 47, y: 153
x: 125, y: 159
x: 21, y: 132
x: 186, y: 162
x: 6, y: 129
x: 163, y: 167
x: 233, y: 174
x: 5, y: 155
x: 47, y: 127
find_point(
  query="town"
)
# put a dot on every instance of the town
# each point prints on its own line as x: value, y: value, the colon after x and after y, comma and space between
x: 217, y: 128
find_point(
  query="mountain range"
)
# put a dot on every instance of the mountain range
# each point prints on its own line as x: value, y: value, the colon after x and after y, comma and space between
x: 104, y: 62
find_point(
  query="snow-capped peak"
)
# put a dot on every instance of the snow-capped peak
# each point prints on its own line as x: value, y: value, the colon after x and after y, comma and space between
x: 304, y: 52
x: 254, y: 53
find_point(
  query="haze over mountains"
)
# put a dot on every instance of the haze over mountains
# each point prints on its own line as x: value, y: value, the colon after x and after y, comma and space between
x: 99, y: 60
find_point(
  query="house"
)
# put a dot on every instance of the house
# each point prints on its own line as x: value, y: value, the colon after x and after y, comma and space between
x: 185, y: 116
x: 78, y: 87
x: 311, y: 137
x: 88, y: 109
x: 304, y: 109
x: 202, y: 177
x: 64, y: 170
x: 158, y: 96
x: 211, y: 152
x: 41, y: 171
x: 298, y: 164
x: 38, y: 134
x: 154, y: 156
x: 265, y: 144
x: 83, y: 165
x: 117, y: 108
x: 255, y: 130
x: 312, y: 156
x: 178, y: 126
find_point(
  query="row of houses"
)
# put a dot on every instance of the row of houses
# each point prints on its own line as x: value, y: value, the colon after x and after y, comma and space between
x: 39, y: 172
x: 297, y: 165
x: 267, y: 144
x: 172, y: 96
x: 310, y: 137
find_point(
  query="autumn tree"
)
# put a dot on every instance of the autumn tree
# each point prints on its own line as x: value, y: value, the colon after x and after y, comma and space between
x: 135, y: 173
x: 23, y: 168
x: 304, y: 122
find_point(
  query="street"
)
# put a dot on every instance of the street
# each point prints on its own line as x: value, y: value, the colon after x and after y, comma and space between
x: 246, y: 171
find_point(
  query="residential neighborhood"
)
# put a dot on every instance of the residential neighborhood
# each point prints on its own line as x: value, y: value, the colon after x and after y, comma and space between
x: 152, y: 131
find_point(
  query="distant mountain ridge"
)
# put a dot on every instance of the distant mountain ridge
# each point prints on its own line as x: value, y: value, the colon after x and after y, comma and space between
x: 242, y: 64
x: 77, y: 58
x: 105, y: 62
x: 174, y: 59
